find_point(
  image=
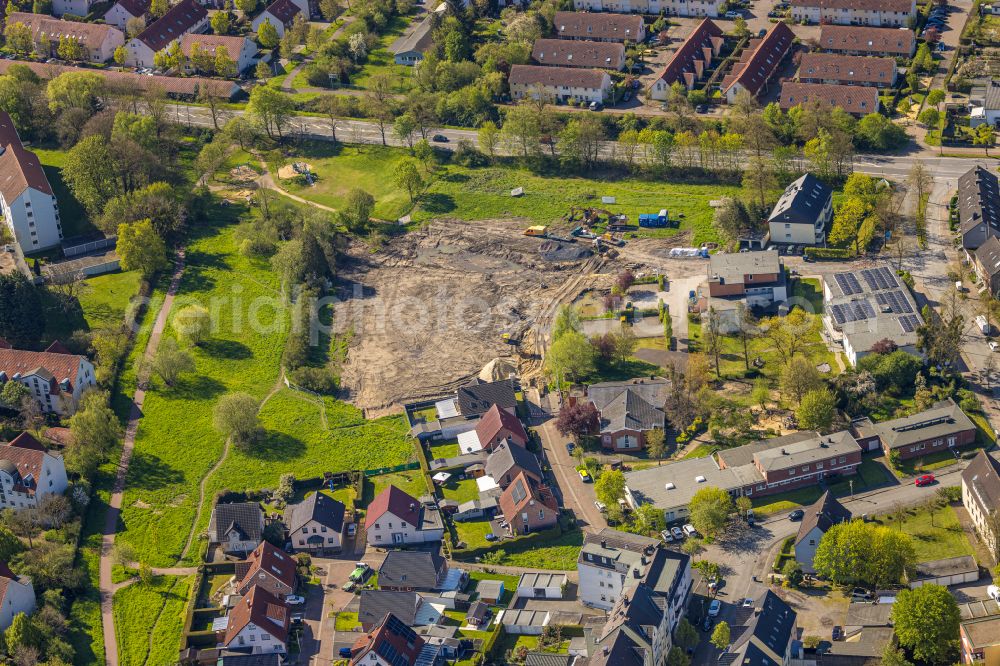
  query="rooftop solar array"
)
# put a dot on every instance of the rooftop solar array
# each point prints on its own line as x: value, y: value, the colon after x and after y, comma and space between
x: 879, y: 278
x: 909, y: 323
x: 854, y: 311
x: 894, y: 300
x: 848, y: 283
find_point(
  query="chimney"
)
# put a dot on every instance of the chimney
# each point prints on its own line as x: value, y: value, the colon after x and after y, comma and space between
x: 636, y: 574
x: 604, y: 543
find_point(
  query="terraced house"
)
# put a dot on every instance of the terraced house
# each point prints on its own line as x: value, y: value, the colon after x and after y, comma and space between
x: 184, y: 17
x: 55, y: 378
x: 943, y: 427
x: 559, y: 83
x: 880, y: 13
x: 858, y: 40
x: 599, y: 27
x: 758, y: 63
x: 856, y: 100
x: 579, y: 53
x: 98, y: 41
x: 833, y: 68
x: 711, y: 8
x: 29, y: 472
x: 689, y: 63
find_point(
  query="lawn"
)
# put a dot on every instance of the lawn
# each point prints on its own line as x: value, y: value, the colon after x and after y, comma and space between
x: 484, y: 193
x: 103, y: 301
x: 871, y: 474
x: 560, y: 553
x: 380, y: 60
x: 414, y: 483
x: 446, y: 449
x: 149, y: 620
x: 460, y: 491
x: 702, y: 451
x: 75, y: 220
x: 808, y: 290
x: 936, y: 534
x: 346, y: 621
x: 473, y: 533
x: 509, y: 584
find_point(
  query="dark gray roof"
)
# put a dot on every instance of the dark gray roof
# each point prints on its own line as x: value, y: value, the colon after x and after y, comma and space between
x: 272, y: 659
x: 978, y: 200
x: 376, y: 604
x: 772, y: 625
x: 246, y: 517
x: 982, y: 478
x: 986, y: 92
x: 478, y: 396
x: 802, y: 202
x: 419, y: 570
x: 652, y: 390
x: 824, y: 514
x: 547, y: 659
x: 943, y: 419
x: 319, y: 507
x: 988, y: 256
x: 624, y: 639
x: 507, y: 456
x: 479, y: 610
x: 743, y: 455
x: 867, y: 614
x: 949, y: 566
x: 629, y: 410
x: 419, y: 39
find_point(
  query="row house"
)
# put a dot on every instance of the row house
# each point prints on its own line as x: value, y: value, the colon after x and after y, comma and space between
x: 17, y: 596
x: 878, y: 13
x: 55, y: 378
x: 185, y: 17
x: 240, y: 50
x: 560, y: 84
x: 858, y: 40
x: 710, y: 8
x: 29, y: 472
x: 281, y: 14
x: 579, y: 53
x: 124, y: 11
x: 943, y: 427
x: 27, y: 202
x: 99, y: 41
x: 599, y: 27
x: 981, y: 498
x: 856, y: 100
x: 758, y: 63
x: 689, y: 63
x: 847, y: 70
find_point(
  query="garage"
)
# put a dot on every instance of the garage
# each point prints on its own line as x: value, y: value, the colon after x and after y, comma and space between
x: 949, y: 571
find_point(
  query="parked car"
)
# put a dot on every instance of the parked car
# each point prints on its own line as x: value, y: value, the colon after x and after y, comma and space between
x: 491, y: 537
x: 924, y: 480
x: 993, y: 592
x: 714, y: 608
x: 294, y: 600
x: 601, y: 506
x: 584, y: 476
x: 732, y: 15
x: 345, y: 653
x: 667, y: 536
x: 701, y: 108
x: 439, y: 138
x: 762, y: 32
x: 361, y: 571
x: 677, y: 532
x: 993, y: 345
x: 748, y: 603
x: 836, y: 633
x: 352, y: 529
x: 798, y: 514
x: 690, y: 531
x: 297, y: 618
x: 596, y: 106
x: 569, y: 447
x: 348, y: 586
x: 861, y: 593
x: 707, y: 624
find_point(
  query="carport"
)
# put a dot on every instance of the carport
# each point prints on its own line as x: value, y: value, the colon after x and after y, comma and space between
x: 949, y: 571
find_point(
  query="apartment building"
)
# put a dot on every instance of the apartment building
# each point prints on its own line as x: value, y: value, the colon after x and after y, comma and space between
x: 835, y: 68
x: 99, y: 41
x: 878, y: 13
x: 855, y: 99
x: 184, y: 17
x: 27, y: 202
x: 710, y: 8
x: 858, y: 40
x: 559, y: 83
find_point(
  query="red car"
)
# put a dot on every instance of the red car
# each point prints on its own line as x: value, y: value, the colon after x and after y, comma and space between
x: 924, y: 480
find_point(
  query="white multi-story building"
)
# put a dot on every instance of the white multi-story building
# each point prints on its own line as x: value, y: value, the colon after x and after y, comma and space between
x: 27, y: 203
x: 55, y: 378
x: 981, y: 498
x: 29, y: 472
x: 559, y: 83
x: 75, y: 7
x: 239, y: 49
x: 710, y: 8
x: 185, y: 17
x: 16, y: 596
x: 884, y: 13
x: 124, y: 11
x: 99, y: 40
x: 396, y: 519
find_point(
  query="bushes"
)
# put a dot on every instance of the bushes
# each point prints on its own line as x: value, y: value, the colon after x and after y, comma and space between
x: 317, y: 380
x: 829, y: 253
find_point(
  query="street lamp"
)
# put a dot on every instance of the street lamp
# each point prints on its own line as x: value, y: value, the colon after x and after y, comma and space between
x: 851, y: 482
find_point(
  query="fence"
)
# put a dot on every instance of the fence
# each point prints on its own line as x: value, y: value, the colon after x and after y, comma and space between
x: 88, y: 247
x: 389, y: 470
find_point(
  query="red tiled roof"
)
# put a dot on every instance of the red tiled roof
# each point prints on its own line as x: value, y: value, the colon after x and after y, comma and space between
x: 19, y: 167
x: 578, y: 53
x: 867, y: 40
x: 211, y: 42
x: 864, y: 5
x: 59, y: 366
x: 179, y: 19
x: 591, y: 25
x: 859, y: 100
x: 391, y: 638
x: 691, y: 50
x: 570, y: 77
x: 263, y: 609
x: 59, y: 436
x: 765, y: 55
x: 136, y: 8
x: 283, y: 10
x: 172, y: 85
x: 494, y: 421
x: 394, y: 501
x: 266, y: 557
x: 847, y: 68
x: 91, y: 35
x: 26, y: 454
x: 523, y: 492
x: 6, y: 576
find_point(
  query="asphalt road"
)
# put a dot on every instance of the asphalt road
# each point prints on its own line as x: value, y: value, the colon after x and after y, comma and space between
x: 361, y: 131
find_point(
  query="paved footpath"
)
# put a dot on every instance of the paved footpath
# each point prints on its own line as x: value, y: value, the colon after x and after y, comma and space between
x: 107, y: 588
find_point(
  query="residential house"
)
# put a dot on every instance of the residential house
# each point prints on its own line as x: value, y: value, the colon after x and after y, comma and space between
x: 819, y: 517
x: 754, y: 279
x: 981, y: 498
x: 528, y: 506
x: 802, y: 213
x: 29, y: 472
x: 691, y: 60
x: 577, y: 53
x: 985, y: 102
x: 978, y: 207
x: 411, y: 609
x: 979, y: 640
x: 16, y: 596
x: 878, y: 13
x: 758, y: 469
x: 712, y: 8
x: 240, y: 50
x: 174, y: 87
x: 599, y: 27
x: 27, y: 202
x: 942, y: 427
x: 857, y: 40
x: 409, y: 570
x: 536, y: 585
x: 316, y: 523
x: 257, y: 624
x: 396, y: 519
x: 856, y: 100
x: 986, y: 263
x: 479, y: 614
x: 607, y: 564
x: 184, y: 17
x: 495, y: 427
x: 79, y: 8
x: 478, y: 397
x: 863, y: 308
x: 834, y: 68
x: 508, y: 460
x: 280, y: 14
x: 238, y: 528
x: 55, y: 378
x: 559, y: 84
x: 758, y: 63
x: 99, y: 41
x: 637, y: 632
x: 269, y: 568
x: 124, y: 11
x: 628, y: 410
x: 766, y: 637
x: 390, y: 643
x: 409, y: 49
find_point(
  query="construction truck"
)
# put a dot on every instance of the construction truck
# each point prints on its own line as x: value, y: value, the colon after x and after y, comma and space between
x: 539, y: 231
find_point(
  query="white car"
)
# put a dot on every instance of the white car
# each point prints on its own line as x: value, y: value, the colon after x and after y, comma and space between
x: 601, y: 506
x: 733, y: 15
x: 748, y: 603
x: 993, y: 345
x: 714, y: 608
x: 994, y: 593
x: 678, y: 534
x: 667, y: 536
x: 690, y: 531
x: 294, y: 600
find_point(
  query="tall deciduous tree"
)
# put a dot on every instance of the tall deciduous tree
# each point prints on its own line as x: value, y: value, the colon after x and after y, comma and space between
x: 272, y: 108
x: 408, y: 178
x: 267, y: 35
x: 357, y: 211
x: 656, y: 444
x: 816, y: 410
x: 721, y: 635
x: 236, y: 417
x: 570, y: 357
x: 140, y: 248
x: 926, y: 621
x: 95, y: 430
x: 610, y: 487
x: 709, y: 510
x: 22, y: 318
x: 865, y: 553
x: 578, y: 419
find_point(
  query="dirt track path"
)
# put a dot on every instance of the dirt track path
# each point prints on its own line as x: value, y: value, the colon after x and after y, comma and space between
x: 107, y: 588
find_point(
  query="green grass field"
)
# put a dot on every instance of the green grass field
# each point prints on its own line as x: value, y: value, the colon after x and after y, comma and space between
x: 75, y: 220
x: 936, y: 535
x: 460, y: 491
x: 448, y: 449
x: 414, y: 483
x: 380, y: 60
x: 103, y: 301
x: 484, y: 193
x: 149, y: 619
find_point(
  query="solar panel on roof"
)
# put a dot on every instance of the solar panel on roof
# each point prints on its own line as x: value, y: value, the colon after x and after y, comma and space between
x: 909, y: 323
x: 869, y: 278
x: 855, y: 285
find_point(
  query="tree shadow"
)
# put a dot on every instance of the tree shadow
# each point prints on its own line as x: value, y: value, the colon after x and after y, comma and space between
x: 437, y: 203
x: 198, y: 263
x: 194, y: 387
x: 149, y: 472
x: 456, y: 177
x: 275, y: 446
x: 228, y: 349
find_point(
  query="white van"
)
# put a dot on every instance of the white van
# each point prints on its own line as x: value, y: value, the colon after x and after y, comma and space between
x: 983, y: 325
